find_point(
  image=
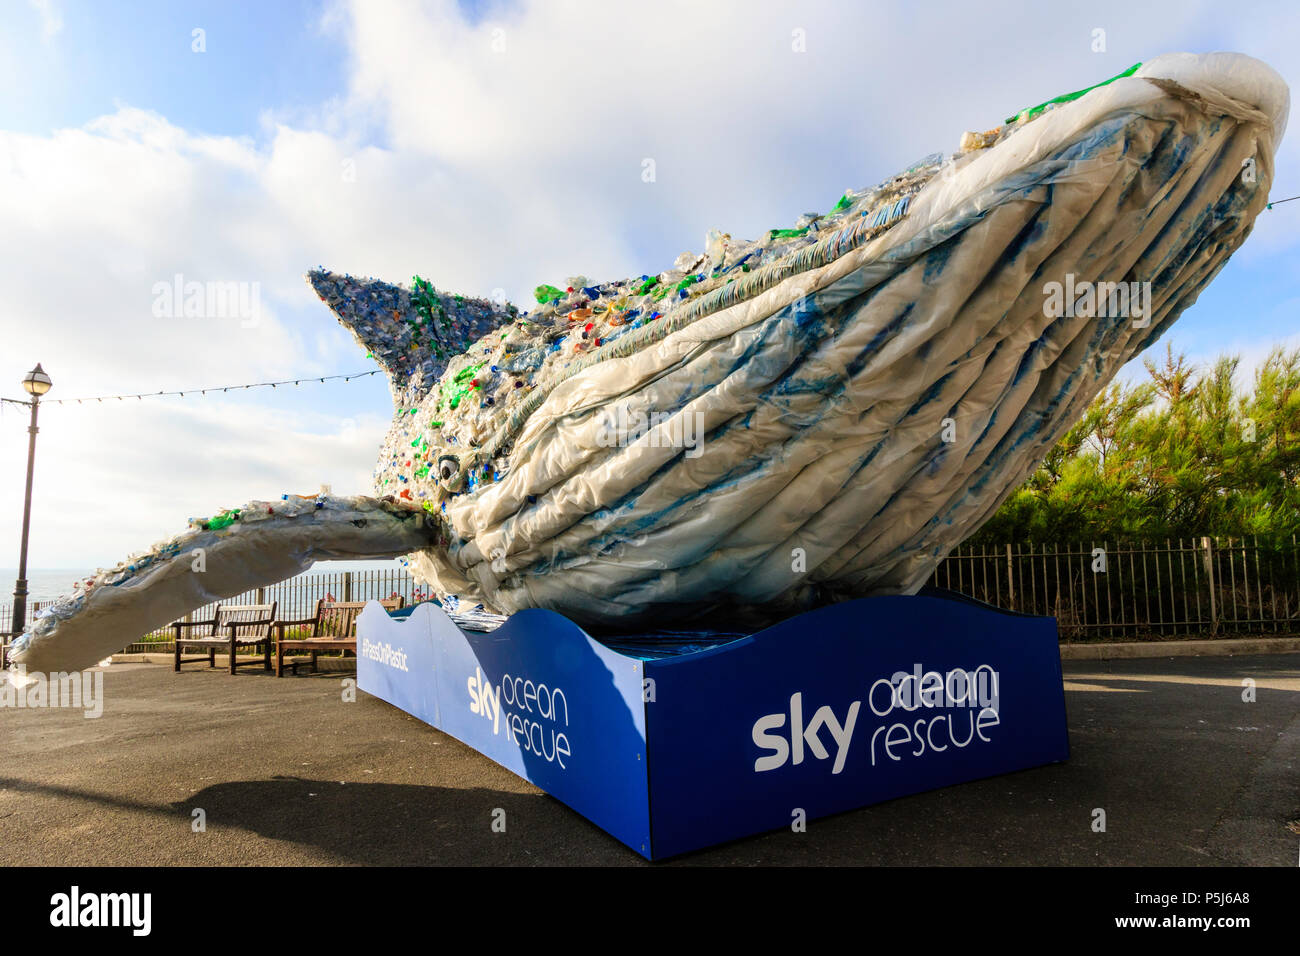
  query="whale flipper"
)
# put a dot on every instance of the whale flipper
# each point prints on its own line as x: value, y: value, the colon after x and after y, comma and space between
x: 260, y: 544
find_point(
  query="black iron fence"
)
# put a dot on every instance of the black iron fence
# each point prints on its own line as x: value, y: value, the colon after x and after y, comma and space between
x: 1186, y: 586
x: 7, y: 615
x: 1192, y: 587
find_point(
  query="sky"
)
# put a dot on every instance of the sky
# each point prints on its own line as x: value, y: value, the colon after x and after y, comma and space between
x: 484, y: 146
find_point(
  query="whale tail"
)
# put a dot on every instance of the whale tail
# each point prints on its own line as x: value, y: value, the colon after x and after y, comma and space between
x: 412, y: 333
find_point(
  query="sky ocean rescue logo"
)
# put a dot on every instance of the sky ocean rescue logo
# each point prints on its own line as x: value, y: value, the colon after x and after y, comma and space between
x: 972, y: 694
x: 534, y: 724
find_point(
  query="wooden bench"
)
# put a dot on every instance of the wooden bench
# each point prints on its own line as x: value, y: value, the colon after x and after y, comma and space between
x: 332, y: 628
x: 231, y: 626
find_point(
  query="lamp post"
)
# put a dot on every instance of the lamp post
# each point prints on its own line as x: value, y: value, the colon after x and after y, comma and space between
x: 36, y: 383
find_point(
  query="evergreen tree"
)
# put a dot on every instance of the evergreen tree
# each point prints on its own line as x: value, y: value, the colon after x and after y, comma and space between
x: 1184, y: 454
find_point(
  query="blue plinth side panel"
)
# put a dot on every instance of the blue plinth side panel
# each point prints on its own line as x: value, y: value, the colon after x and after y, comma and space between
x: 834, y: 710
x: 537, y: 695
x: 837, y: 708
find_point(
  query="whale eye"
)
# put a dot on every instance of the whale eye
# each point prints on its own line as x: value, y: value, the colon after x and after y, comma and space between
x: 448, y: 466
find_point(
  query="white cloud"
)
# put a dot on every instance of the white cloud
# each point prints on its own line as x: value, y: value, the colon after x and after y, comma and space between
x: 116, y: 477
x: 51, y: 17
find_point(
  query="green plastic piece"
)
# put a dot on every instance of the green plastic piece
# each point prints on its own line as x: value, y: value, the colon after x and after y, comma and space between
x: 547, y: 293
x: 427, y: 304
x: 223, y: 520
x: 786, y: 233
x: 462, y: 390
x: 649, y: 284
x: 1033, y: 111
x: 468, y: 372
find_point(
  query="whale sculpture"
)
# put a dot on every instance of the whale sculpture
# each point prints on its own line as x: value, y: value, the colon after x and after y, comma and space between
x: 770, y: 425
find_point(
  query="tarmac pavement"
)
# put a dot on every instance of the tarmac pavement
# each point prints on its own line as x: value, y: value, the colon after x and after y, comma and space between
x: 287, y: 773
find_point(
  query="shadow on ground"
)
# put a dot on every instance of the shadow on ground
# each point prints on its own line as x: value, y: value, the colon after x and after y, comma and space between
x: 392, y: 824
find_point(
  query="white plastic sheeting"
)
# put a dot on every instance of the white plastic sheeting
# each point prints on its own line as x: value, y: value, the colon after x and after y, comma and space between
x: 820, y: 405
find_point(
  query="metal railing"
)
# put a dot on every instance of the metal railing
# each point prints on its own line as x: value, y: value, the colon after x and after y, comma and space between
x: 1098, y: 590
x: 1186, y: 586
x: 7, y: 615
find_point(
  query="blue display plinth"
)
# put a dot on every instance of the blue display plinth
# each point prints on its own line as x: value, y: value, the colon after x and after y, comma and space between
x: 837, y: 708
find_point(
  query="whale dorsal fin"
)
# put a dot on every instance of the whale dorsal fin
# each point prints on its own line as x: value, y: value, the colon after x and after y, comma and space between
x: 412, y: 333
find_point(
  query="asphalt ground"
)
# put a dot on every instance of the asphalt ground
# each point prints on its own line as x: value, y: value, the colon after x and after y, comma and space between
x: 287, y: 773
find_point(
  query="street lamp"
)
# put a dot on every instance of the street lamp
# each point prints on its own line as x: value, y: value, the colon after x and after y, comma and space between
x: 36, y: 383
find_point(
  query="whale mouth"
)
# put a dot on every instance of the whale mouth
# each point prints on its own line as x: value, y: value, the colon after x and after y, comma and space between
x: 1227, y: 80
